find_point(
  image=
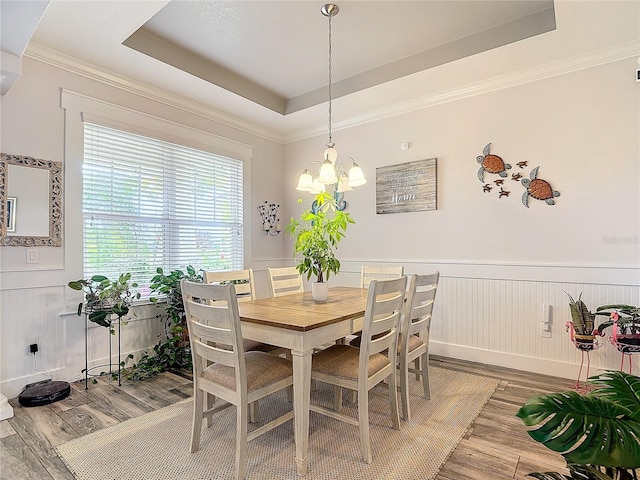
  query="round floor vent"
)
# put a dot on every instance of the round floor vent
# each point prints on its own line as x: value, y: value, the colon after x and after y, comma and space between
x: 43, y: 393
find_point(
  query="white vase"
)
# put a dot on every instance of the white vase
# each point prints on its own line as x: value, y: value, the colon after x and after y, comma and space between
x: 320, y: 291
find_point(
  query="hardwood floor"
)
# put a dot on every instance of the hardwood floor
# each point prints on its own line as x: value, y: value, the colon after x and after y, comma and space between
x: 495, y: 447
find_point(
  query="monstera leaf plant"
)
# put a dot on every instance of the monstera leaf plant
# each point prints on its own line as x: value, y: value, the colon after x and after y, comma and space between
x: 598, y: 433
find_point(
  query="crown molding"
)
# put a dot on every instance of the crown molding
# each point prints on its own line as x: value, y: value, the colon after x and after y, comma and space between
x: 529, y: 75
x: 552, y: 69
x: 73, y: 65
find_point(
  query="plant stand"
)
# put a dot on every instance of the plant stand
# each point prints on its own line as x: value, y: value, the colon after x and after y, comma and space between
x: 86, y: 354
x: 627, y: 345
x: 586, y: 344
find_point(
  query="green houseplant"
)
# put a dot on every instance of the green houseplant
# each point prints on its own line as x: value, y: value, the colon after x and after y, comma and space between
x: 317, y: 235
x: 174, y: 351
x: 582, y: 324
x: 625, y: 320
x: 106, y: 300
x: 598, y: 433
x: 106, y: 303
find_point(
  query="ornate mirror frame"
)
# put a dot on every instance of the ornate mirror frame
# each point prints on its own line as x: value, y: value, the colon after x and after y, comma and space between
x: 55, y: 201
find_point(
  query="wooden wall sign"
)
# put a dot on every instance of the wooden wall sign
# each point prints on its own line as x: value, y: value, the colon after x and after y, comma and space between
x: 407, y: 187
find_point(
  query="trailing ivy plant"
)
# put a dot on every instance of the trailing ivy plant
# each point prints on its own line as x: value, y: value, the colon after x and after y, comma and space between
x: 598, y: 433
x: 173, y: 351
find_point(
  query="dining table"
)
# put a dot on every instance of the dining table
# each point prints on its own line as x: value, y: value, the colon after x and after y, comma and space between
x: 297, y: 323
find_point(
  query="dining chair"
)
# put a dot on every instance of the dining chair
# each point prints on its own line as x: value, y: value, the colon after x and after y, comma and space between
x: 373, y: 272
x: 361, y: 369
x: 245, y: 291
x: 413, y: 343
x: 235, y: 376
x: 285, y: 281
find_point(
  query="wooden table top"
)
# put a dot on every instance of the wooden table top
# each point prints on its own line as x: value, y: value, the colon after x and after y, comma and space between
x: 300, y: 312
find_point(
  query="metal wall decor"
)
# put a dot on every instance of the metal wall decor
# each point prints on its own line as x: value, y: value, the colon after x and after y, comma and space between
x: 491, y: 163
x: 270, y: 221
x: 534, y: 187
x: 538, y: 189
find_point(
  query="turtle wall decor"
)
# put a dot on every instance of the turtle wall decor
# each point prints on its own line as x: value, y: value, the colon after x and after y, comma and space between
x: 538, y: 189
x: 534, y: 187
x: 491, y: 163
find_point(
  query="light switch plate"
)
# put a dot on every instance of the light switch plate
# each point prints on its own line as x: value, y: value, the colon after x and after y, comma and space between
x: 32, y: 255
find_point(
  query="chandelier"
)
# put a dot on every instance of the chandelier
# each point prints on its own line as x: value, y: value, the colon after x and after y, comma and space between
x: 332, y: 171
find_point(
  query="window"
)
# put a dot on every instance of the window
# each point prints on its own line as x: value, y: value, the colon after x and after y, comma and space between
x: 149, y: 203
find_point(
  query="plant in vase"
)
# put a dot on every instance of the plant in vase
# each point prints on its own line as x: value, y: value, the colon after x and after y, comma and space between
x: 106, y: 300
x: 582, y: 324
x: 625, y: 323
x: 317, y: 235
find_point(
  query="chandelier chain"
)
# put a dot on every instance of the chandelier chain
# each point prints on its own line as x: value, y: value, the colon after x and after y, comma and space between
x: 330, y: 74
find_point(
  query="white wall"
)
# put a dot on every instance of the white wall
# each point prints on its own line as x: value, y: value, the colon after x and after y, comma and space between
x: 576, y: 117
x: 499, y: 261
x: 35, y: 303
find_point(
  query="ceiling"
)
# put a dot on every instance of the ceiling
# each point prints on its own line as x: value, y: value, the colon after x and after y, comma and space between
x: 265, y: 62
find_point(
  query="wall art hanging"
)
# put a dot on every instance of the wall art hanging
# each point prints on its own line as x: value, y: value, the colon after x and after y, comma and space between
x: 491, y: 163
x: 538, y: 189
x: 534, y: 187
x: 406, y: 187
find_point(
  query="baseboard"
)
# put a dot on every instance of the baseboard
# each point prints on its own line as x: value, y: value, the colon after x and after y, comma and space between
x: 508, y: 360
x: 11, y: 388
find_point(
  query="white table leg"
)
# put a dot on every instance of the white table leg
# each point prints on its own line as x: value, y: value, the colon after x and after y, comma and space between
x: 301, y: 393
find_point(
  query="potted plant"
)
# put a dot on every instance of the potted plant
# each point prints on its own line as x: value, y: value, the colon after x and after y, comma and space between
x: 625, y: 323
x: 174, y: 352
x: 597, y: 433
x: 582, y: 325
x: 106, y: 300
x: 317, y: 235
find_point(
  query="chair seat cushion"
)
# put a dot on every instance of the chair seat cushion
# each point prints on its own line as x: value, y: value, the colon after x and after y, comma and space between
x: 251, y: 346
x: 415, y: 342
x: 342, y: 361
x: 262, y: 370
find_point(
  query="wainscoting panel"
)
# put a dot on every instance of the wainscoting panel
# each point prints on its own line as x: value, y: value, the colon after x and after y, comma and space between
x: 488, y: 313
x: 499, y: 320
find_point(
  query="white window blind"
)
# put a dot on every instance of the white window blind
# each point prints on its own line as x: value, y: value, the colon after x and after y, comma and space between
x: 149, y: 204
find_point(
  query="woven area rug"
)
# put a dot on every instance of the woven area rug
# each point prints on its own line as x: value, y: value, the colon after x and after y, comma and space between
x: 155, y: 446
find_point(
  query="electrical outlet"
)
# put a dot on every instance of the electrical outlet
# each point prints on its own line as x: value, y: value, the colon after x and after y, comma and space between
x: 545, y: 333
x: 32, y: 341
x: 546, y: 321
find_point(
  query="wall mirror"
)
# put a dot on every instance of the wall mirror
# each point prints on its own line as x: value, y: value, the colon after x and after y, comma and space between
x: 30, y: 201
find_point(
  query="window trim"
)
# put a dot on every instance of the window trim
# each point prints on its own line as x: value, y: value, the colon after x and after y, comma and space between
x: 80, y: 107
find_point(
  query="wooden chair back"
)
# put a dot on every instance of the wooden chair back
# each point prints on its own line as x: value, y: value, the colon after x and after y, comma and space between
x: 285, y: 281
x: 418, y: 308
x: 382, y: 320
x: 242, y: 279
x: 372, y: 272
